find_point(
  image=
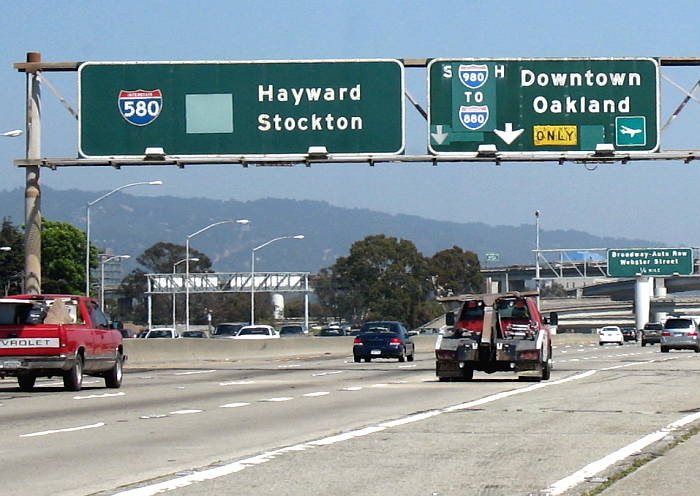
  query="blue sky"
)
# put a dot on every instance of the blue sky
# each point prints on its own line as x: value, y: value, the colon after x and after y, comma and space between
x: 649, y: 200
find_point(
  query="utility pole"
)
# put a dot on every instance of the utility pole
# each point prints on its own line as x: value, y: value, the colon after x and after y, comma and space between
x: 32, y: 191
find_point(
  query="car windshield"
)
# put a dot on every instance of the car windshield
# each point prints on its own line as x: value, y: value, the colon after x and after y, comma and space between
x: 379, y: 327
x: 193, y: 334
x: 250, y: 331
x: 678, y: 323
x: 227, y: 329
x: 159, y: 334
x: 291, y: 330
x: 331, y: 332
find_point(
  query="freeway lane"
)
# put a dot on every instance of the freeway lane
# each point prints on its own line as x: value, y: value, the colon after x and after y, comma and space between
x: 166, y: 423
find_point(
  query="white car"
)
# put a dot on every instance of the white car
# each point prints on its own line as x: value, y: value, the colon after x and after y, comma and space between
x: 610, y: 334
x: 257, y: 332
x: 162, y: 332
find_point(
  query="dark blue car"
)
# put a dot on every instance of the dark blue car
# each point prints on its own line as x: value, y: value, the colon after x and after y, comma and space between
x: 383, y: 339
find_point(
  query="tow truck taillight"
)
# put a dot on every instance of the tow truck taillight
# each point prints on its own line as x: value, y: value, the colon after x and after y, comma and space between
x: 358, y: 341
x: 530, y: 355
x: 446, y: 354
x: 395, y: 342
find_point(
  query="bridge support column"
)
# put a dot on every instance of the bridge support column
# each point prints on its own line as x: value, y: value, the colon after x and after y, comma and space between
x: 642, y: 300
x: 277, y: 306
x: 660, y: 287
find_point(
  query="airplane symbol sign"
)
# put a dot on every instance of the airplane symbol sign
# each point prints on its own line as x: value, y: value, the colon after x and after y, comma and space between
x: 630, y: 131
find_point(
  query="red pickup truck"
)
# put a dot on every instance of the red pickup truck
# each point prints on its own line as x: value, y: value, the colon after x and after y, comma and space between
x: 58, y: 335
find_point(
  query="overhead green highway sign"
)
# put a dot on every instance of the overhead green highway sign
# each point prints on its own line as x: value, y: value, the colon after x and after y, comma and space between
x: 279, y: 108
x: 650, y: 262
x: 543, y: 105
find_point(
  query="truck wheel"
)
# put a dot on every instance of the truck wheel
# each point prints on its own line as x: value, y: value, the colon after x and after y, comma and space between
x: 73, y: 379
x: 546, y: 371
x: 664, y: 349
x: 356, y: 358
x: 409, y: 358
x: 113, y: 378
x: 26, y: 382
x: 467, y: 375
x: 402, y: 356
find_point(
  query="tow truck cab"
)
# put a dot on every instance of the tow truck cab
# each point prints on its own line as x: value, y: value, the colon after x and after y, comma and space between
x: 495, y: 333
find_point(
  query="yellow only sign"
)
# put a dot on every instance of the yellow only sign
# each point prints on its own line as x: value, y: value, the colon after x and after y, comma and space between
x: 555, y: 135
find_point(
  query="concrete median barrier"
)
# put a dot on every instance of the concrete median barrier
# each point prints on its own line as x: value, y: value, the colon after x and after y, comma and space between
x: 160, y: 352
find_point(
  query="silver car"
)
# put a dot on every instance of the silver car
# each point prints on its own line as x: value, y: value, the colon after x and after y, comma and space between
x: 680, y: 333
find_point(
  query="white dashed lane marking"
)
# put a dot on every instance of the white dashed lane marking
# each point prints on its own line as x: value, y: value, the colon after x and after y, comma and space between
x: 234, y: 405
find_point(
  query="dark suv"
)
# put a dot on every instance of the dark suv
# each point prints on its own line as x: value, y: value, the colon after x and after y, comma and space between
x: 629, y: 333
x: 651, y: 334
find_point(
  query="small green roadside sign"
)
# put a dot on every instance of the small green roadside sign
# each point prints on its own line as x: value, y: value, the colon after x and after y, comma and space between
x: 279, y: 108
x: 543, y: 105
x: 650, y: 262
x: 492, y: 257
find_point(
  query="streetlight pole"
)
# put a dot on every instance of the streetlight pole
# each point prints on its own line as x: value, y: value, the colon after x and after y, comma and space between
x: 194, y: 259
x: 187, y: 262
x: 87, y: 230
x: 537, y: 255
x: 252, y: 271
x: 102, y: 274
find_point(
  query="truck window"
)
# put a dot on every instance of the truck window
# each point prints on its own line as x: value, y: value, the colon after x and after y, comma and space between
x: 473, y: 310
x: 98, y: 318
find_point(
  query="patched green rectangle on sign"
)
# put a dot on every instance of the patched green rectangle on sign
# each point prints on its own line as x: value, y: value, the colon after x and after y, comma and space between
x: 209, y: 113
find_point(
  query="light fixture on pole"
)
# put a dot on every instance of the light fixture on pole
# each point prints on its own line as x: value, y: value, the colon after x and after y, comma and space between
x: 252, y: 271
x: 12, y: 134
x: 103, y: 261
x: 187, y: 262
x: 5, y: 248
x: 194, y: 259
x: 87, y: 221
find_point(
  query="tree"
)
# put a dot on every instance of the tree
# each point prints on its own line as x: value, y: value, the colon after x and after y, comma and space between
x: 455, y: 271
x: 383, y: 277
x: 63, y: 258
x: 11, y: 262
x: 159, y: 259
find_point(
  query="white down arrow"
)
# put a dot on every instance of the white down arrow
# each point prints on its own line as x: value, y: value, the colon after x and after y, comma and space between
x: 508, y: 135
x: 439, y: 136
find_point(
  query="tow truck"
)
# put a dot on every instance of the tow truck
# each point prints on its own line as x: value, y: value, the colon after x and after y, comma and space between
x: 495, y: 333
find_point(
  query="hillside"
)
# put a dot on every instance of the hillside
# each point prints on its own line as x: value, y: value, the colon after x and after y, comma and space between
x: 129, y: 224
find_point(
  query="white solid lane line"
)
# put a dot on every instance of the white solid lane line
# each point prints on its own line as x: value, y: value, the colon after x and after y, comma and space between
x: 69, y: 429
x: 192, y: 372
x: 598, y: 466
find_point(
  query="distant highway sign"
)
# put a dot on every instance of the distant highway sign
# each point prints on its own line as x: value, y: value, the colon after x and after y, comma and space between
x: 650, y: 262
x: 543, y: 105
x: 352, y: 107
